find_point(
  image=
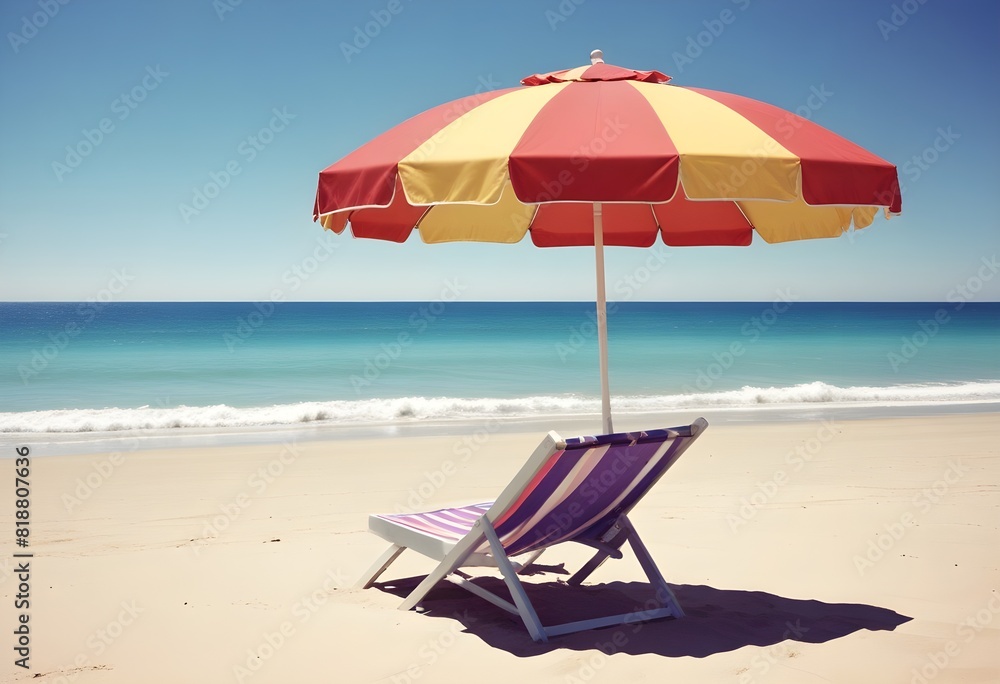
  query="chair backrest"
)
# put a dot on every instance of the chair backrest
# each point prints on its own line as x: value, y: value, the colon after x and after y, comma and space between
x: 577, y: 488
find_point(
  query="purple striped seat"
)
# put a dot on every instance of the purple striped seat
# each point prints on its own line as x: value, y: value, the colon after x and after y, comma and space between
x: 585, y: 489
x: 449, y: 524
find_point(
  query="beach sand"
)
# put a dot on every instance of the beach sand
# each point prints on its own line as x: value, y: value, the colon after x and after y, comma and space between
x: 853, y: 551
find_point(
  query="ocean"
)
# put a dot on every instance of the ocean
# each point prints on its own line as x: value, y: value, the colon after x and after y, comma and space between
x: 70, y: 367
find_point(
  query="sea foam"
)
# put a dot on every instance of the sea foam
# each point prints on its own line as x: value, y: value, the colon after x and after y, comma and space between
x: 411, y: 409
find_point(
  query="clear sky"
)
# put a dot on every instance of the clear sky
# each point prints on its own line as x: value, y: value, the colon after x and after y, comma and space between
x: 155, y: 99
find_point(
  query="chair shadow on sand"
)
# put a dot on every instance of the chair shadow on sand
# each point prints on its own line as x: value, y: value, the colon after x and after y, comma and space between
x: 716, y: 620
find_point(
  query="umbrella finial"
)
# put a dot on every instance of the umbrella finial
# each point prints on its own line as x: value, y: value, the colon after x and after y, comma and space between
x: 596, y: 57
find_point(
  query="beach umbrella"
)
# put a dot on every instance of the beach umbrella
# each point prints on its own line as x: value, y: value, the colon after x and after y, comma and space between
x: 603, y: 155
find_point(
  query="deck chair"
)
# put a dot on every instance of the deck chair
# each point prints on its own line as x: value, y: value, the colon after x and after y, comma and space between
x: 574, y: 490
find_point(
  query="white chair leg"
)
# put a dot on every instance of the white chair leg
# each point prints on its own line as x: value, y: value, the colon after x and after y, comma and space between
x: 458, y: 554
x: 652, y: 572
x: 383, y: 562
x: 521, y: 600
x: 527, y: 564
x: 584, y: 572
x: 614, y: 542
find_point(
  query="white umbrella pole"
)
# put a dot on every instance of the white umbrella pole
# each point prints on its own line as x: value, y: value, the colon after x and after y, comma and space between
x: 602, y: 319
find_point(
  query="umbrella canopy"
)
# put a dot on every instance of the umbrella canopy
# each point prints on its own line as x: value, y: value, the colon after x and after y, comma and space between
x: 604, y: 155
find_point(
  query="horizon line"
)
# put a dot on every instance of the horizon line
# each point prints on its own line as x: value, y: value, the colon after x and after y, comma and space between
x: 491, y: 301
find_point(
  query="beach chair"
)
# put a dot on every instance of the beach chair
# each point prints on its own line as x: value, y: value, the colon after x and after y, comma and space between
x: 574, y: 490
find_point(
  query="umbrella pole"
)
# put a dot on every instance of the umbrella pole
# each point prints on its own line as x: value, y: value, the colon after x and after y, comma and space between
x: 602, y: 319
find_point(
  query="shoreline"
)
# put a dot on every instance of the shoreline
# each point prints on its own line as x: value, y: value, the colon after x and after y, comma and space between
x: 89, y: 442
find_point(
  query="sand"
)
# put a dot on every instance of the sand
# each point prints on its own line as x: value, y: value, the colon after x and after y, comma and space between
x: 853, y: 551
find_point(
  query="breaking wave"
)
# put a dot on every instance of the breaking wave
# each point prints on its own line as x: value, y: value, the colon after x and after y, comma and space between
x: 411, y: 409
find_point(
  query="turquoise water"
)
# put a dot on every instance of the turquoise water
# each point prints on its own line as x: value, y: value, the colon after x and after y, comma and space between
x: 69, y: 367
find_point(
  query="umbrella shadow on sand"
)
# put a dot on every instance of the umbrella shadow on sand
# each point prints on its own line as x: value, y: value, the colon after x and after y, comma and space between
x: 716, y: 620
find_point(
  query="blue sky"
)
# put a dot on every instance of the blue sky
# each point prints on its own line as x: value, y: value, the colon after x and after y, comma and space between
x: 186, y: 89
